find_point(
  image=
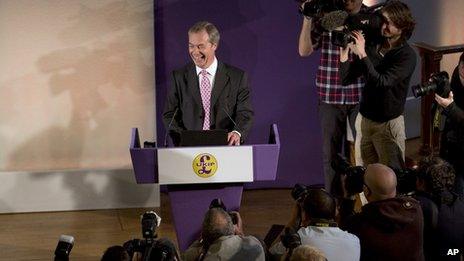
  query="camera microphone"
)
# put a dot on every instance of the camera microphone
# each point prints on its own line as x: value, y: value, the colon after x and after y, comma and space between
x: 232, y: 120
x: 65, y: 244
x: 169, y: 128
x: 331, y: 21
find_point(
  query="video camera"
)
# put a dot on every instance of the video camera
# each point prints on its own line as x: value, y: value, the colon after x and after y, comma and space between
x: 218, y: 203
x: 341, y: 24
x: 368, y: 23
x: 317, y: 8
x: 438, y: 83
x: 150, y: 221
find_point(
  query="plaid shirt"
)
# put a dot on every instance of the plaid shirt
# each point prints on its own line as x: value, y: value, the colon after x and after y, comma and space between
x: 328, y: 81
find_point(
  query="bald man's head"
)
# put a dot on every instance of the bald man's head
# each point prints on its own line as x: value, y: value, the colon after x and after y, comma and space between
x: 381, y: 181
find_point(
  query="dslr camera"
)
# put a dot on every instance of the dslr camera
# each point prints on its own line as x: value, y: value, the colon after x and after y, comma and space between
x: 150, y: 221
x: 354, y: 181
x: 438, y: 83
x: 300, y: 191
x: 406, y: 180
x: 290, y: 239
x: 218, y: 203
x: 64, y: 247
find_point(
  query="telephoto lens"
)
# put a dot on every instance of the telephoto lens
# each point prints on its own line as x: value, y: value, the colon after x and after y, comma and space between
x: 150, y: 222
x: 63, y: 249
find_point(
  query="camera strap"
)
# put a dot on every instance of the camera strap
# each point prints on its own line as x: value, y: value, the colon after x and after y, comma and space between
x: 323, y: 223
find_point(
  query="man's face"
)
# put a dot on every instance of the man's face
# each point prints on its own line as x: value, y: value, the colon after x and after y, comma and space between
x: 352, y: 5
x: 389, y: 29
x: 201, y: 50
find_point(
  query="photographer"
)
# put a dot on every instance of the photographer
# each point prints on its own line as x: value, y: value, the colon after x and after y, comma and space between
x: 336, y: 102
x: 151, y: 247
x: 222, y: 240
x: 442, y: 208
x: 313, y: 218
x: 387, y: 70
x: 452, y: 141
x: 388, y: 227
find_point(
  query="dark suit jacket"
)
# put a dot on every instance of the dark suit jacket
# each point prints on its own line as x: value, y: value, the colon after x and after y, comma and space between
x: 230, y: 95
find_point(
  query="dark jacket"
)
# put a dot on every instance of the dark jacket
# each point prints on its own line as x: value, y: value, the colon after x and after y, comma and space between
x: 450, y: 227
x: 390, y: 229
x: 230, y: 95
x: 452, y: 140
x: 387, y: 81
x: 430, y: 211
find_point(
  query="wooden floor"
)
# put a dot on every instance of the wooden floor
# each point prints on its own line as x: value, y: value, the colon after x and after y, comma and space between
x: 34, y: 236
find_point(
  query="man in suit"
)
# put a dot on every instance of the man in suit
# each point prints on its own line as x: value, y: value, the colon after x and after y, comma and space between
x: 208, y: 94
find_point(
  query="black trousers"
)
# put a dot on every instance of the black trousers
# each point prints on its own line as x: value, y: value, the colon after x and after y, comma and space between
x: 333, y: 119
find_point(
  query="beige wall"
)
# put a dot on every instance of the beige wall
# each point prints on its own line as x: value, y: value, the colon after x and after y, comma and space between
x: 75, y: 76
x: 451, y: 31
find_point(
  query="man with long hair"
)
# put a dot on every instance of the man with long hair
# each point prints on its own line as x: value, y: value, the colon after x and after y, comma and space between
x: 387, y: 67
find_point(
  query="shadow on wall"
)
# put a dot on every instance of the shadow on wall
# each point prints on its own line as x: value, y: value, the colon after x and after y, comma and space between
x: 90, y: 191
x: 91, y: 76
x: 87, y: 75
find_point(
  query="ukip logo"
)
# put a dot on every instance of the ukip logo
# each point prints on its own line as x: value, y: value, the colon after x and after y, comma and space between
x: 205, y: 165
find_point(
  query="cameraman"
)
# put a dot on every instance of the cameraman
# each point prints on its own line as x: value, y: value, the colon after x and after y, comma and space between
x: 387, y: 69
x: 336, y: 102
x: 222, y: 240
x: 314, y: 222
x: 452, y: 141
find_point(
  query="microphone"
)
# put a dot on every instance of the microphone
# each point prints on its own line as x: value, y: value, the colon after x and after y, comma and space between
x: 232, y: 120
x: 169, y: 128
x: 333, y: 20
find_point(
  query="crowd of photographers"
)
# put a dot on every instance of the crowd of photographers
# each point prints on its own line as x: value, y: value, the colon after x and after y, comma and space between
x: 423, y: 222
x: 379, y: 216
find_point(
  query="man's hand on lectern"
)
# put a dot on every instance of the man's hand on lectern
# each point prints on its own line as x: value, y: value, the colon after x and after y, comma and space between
x: 233, y: 138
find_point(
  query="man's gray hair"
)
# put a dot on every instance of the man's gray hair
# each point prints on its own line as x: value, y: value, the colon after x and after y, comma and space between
x: 211, y: 30
x: 217, y: 223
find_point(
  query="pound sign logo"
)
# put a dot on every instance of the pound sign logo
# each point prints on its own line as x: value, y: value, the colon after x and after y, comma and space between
x: 205, y: 165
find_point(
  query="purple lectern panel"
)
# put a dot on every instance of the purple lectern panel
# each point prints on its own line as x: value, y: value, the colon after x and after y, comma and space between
x: 143, y: 160
x: 266, y: 157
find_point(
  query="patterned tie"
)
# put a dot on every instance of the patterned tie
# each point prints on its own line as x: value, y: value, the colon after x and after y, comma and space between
x: 205, y: 90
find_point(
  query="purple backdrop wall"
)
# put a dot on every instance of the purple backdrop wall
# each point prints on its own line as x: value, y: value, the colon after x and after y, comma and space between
x: 261, y: 37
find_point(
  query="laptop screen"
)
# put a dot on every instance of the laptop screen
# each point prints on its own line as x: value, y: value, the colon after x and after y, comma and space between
x: 190, y: 138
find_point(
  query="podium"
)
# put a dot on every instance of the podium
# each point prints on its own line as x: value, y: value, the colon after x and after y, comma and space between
x: 197, y: 175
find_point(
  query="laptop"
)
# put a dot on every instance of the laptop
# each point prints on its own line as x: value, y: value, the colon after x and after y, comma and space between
x: 189, y: 138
